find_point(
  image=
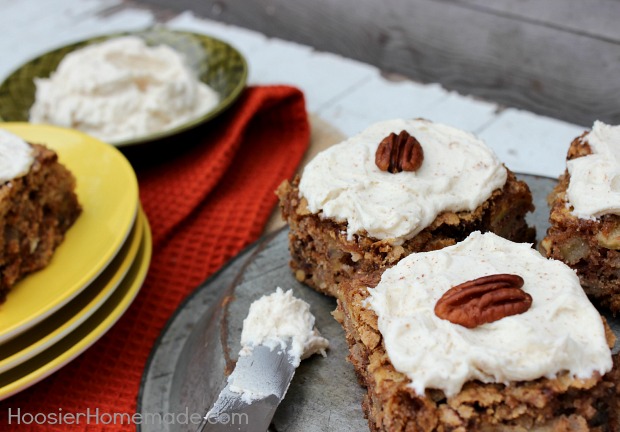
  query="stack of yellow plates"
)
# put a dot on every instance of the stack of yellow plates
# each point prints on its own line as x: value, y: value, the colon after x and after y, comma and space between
x: 53, y: 315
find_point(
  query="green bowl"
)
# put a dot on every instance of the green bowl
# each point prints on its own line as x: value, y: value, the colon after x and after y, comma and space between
x: 215, y: 62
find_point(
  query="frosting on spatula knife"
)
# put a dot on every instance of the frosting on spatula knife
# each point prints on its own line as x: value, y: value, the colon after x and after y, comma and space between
x: 277, y: 334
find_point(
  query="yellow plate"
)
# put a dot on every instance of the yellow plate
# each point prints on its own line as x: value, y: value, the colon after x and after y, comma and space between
x: 49, y: 331
x: 108, y: 191
x: 68, y: 348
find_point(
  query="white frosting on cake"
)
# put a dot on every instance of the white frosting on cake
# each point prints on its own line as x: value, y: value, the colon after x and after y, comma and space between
x: 279, y: 316
x: 594, y: 186
x: 121, y: 89
x: 16, y: 156
x: 459, y: 172
x: 561, y: 331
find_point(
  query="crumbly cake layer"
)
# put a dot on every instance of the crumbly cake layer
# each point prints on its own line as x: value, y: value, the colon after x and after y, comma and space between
x: 322, y: 256
x: 35, y: 212
x: 589, y: 246
x: 563, y: 404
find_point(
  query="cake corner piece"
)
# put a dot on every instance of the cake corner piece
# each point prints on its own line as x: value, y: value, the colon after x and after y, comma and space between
x: 584, y: 227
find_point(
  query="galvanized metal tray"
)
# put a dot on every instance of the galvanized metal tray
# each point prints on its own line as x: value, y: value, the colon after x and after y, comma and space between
x: 197, y: 349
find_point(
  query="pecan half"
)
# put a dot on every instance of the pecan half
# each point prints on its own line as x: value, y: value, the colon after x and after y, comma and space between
x: 483, y: 300
x: 398, y: 153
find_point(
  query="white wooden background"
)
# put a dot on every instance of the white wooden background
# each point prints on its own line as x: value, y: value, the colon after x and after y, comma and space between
x: 347, y: 94
x: 553, y: 57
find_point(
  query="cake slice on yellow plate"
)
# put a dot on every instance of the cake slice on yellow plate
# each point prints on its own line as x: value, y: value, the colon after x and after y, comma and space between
x: 38, y: 204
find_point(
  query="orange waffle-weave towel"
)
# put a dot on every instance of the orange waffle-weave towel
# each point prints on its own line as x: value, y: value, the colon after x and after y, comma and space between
x: 204, y: 206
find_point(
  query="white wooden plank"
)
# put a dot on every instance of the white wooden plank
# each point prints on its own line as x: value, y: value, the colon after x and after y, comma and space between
x: 248, y: 42
x: 321, y: 76
x: 463, y: 112
x: 55, y: 30
x: 20, y: 14
x: 379, y: 99
x: 124, y: 20
x: 529, y: 143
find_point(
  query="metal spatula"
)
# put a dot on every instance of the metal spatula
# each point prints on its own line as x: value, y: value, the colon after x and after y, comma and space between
x: 254, y: 390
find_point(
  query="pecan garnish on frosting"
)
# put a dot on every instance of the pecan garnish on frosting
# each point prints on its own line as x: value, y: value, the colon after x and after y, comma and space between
x: 398, y: 153
x: 483, y: 300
